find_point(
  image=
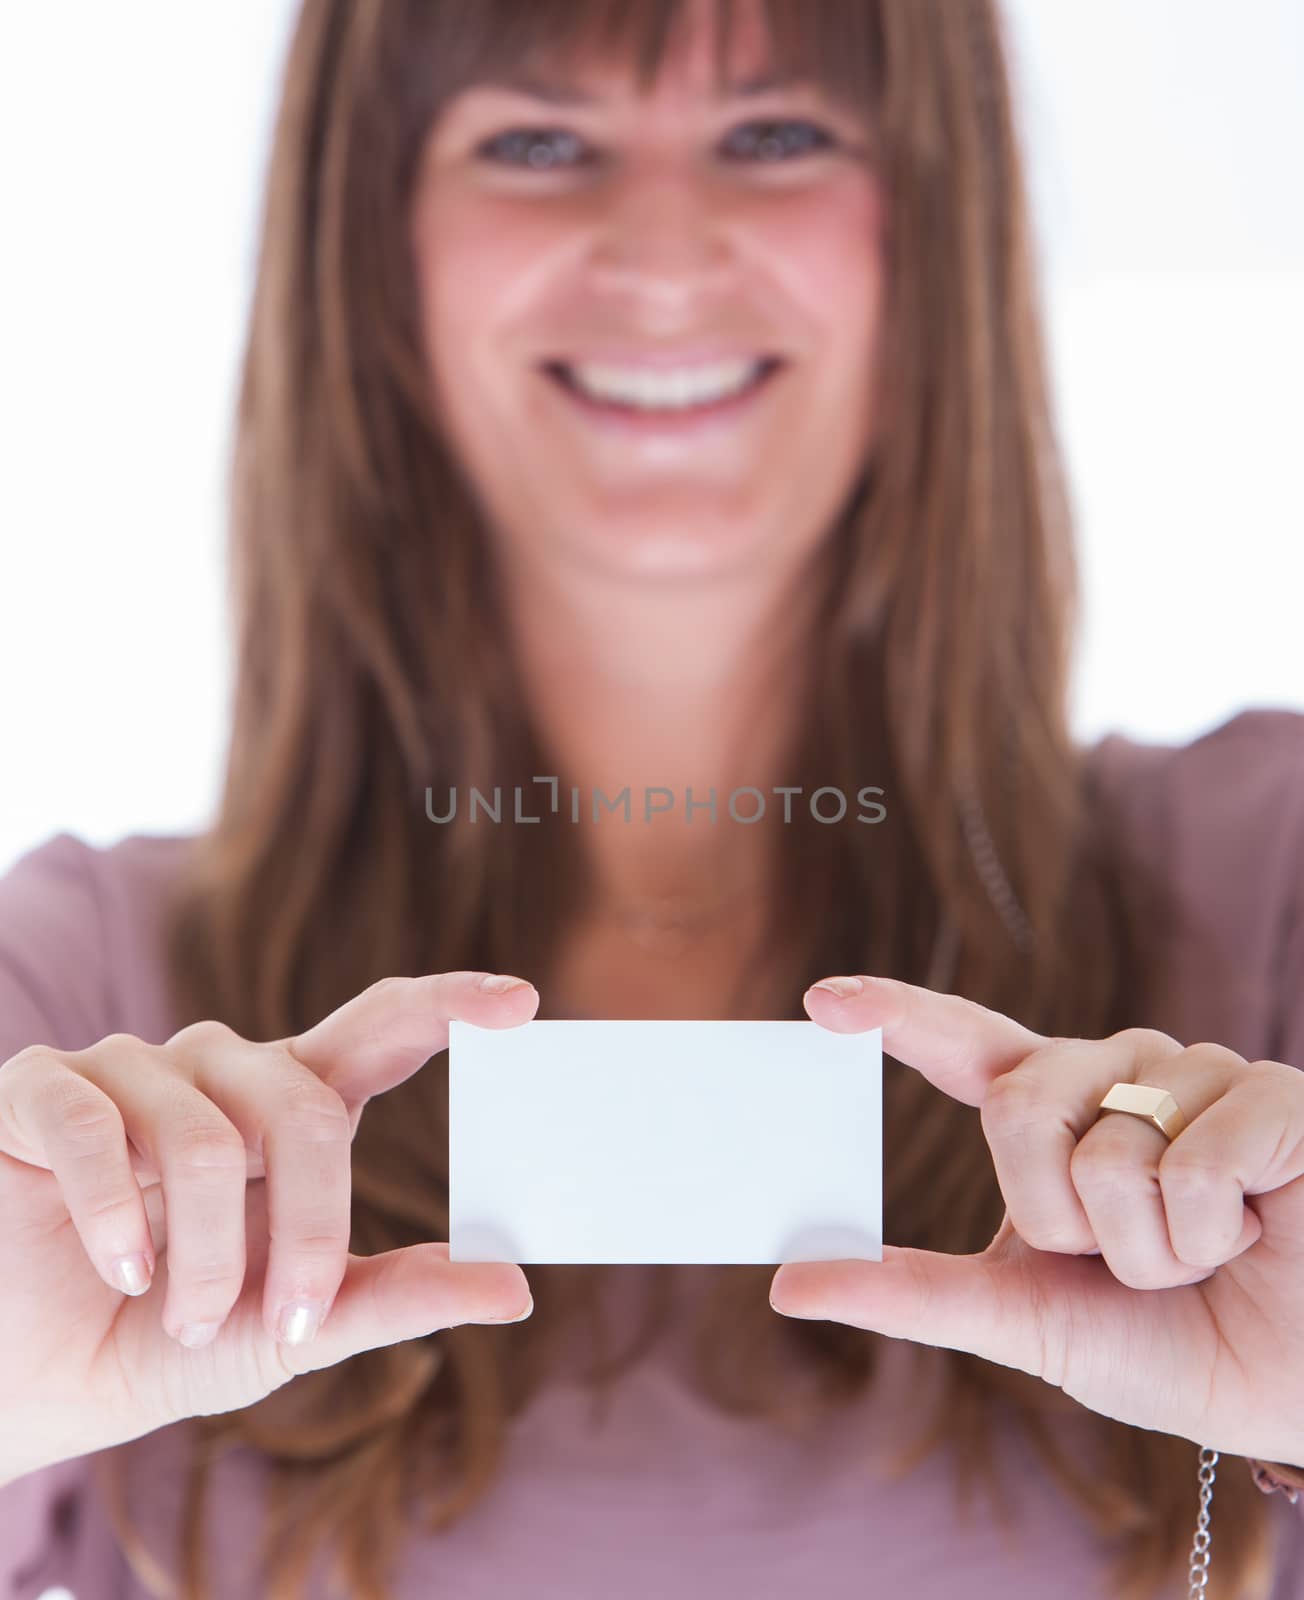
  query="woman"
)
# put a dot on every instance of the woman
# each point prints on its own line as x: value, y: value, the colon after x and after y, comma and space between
x: 613, y: 423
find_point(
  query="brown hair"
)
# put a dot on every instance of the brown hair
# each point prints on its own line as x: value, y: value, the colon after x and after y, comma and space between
x: 371, y: 665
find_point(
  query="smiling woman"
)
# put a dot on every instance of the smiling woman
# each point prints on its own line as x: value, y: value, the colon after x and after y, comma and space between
x: 650, y: 393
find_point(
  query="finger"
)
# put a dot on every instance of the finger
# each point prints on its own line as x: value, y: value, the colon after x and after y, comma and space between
x: 304, y: 1136
x: 383, y: 1035
x: 202, y: 1158
x: 1250, y: 1141
x: 958, y: 1045
x: 1034, y: 1116
x: 988, y: 1304
x: 406, y: 1294
x: 53, y: 1116
x: 1117, y: 1171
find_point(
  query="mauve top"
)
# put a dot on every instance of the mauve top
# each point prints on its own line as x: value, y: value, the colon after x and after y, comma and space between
x: 666, y: 1495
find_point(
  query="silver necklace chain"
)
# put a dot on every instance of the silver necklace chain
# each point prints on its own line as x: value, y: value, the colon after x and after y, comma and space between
x: 983, y: 850
x: 662, y: 918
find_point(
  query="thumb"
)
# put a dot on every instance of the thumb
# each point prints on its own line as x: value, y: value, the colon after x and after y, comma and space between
x: 1007, y: 1304
x: 405, y: 1294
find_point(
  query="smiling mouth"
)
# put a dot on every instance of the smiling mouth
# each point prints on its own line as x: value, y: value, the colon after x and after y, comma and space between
x: 661, y: 395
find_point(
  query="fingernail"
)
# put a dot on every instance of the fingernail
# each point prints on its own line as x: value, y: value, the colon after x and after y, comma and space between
x: 842, y: 987
x: 521, y: 1318
x: 806, y: 1316
x: 498, y: 983
x: 194, y: 1334
x: 299, y: 1321
x: 131, y: 1274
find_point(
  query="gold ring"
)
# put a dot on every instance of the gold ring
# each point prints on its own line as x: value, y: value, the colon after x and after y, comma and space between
x: 1155, y: 1106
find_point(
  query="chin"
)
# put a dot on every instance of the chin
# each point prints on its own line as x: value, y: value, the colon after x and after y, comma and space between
x: 660, y: 554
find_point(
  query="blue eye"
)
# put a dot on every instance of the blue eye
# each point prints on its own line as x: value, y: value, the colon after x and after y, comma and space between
x: 546, y: 148
x: 780, y: 139
x: 532, y: 147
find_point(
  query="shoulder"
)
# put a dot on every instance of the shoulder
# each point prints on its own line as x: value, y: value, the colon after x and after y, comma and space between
x: 1245, y: 773
x: 66, y: 860
x: 1219, y: 821
x: 80, y: 926
x: 86, y: 891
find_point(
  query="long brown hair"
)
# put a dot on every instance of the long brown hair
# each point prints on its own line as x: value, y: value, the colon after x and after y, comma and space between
x: 372, y: 665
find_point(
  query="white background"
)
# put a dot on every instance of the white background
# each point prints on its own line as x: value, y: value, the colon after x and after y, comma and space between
x: 1165, y: 139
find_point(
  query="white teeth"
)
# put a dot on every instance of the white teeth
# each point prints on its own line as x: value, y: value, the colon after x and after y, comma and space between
x: 664, y: 391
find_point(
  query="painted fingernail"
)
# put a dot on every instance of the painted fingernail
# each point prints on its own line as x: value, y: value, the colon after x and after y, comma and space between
x: 519, y: 1318
x: 499, y: 983
x: 842, y: 987
x: 299, y: 1321
x: 195, y: 1334
x: 131, y: 1274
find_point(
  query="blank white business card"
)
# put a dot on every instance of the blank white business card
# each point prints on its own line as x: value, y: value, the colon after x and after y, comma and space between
x: 664, y: 1141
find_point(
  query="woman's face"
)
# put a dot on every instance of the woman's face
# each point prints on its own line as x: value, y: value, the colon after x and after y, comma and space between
x: 647, y: 248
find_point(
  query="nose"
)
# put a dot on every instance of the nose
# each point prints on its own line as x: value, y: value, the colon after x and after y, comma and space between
x: 663, y: 241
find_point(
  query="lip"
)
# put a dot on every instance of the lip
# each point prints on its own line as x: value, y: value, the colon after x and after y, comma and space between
x: 690, y: 422
x: 703, y: 355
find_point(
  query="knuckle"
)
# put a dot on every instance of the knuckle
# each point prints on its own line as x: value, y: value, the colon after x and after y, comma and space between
x: 206, y: 1034
x: 1270, y: 1077
x: 312, y: 1109
x: 1143, y: 1274
x: 211, y: 1272
x: 1059, y: 1235
x: 1220, y: 1055
x: 1200, y: 1255
x: 310, y: 1126
x: 112, y: 1050
x: 388, y: 988
x: 201, y: 1141
x: 209, y: 1294
x: 114, y: 1041
x: 316, y: 1247
x: 1189, y: 1176
x: 112, y: 1044
x: 32, y: 1058
x: 1149, y: 1039
x: 110, y: 1203
x: 1286, y: 1074
x: 86, y: 1114
x: 1099, y: 1168
x: 1049, y: 1049
x: 1013, y: 1103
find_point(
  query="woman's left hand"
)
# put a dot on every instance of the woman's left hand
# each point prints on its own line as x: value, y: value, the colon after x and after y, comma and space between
x: 1134, y: 1273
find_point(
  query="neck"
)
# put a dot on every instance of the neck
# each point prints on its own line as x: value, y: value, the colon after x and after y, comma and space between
x: 676, y: 685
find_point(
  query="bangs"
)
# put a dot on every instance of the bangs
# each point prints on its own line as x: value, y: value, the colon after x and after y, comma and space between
x: 835, y: 44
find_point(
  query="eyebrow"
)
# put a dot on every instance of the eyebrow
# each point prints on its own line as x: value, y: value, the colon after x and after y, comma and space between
x: 564, y: 94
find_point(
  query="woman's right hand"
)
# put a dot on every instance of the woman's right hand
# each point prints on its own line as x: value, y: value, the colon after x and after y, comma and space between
x: 224, y: 1167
